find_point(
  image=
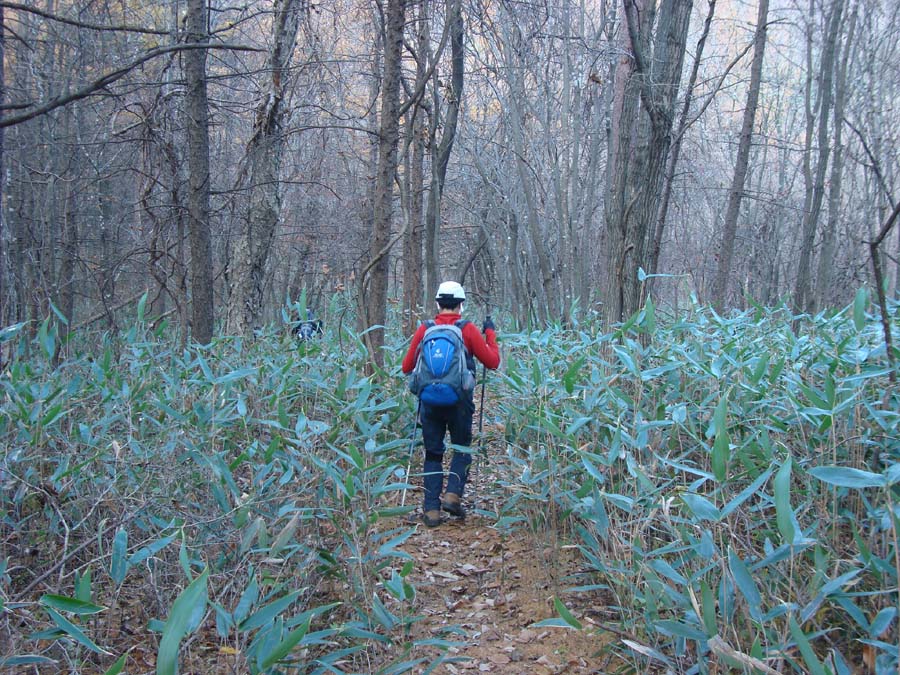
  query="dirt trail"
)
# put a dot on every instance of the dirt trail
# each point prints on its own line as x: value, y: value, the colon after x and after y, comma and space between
x: 495, y: 586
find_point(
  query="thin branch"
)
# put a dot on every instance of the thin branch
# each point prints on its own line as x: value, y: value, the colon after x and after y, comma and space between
x: 420, y: 89
x: 875, y: 165
x: 81, y: 24
x: 109, y: 78
x: 715, y: 90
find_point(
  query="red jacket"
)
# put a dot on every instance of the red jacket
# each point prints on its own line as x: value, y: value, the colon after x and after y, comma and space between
x: 484, y: 349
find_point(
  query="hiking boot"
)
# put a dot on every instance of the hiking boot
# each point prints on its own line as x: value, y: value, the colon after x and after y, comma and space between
x: 452, y: 505
x: 431, y: 518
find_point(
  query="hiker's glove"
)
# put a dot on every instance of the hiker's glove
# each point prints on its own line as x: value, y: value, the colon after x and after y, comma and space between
x: 488, y: 323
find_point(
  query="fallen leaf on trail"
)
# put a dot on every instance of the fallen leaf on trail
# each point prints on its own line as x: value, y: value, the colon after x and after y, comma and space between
x: 526, y: 635
x: 469, y: 569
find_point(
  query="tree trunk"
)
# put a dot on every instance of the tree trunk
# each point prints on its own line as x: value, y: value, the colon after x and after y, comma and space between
x: 441, y: 157
x: 263, y: 164
x: 826, y: 255
x: 656, y: 246
x: 197, y: 129
x: 374, y: 281
x: 802, y: 289
x: 643, y: 106
x: 412, y: 246
x: 736, y: 193
x: 5, y: 261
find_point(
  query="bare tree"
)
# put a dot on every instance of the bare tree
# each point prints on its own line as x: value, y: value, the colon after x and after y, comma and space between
x: 374, y: 278
x: 415, y: 185
x: 261, y: 174
x: 441, y: 156
x: 736, y: 193
x: 641, y: 124
x: 4, y: 252
x: 815, y: 185
x: 683, y: 123
x: 197, y: 128
x: 835, y: 187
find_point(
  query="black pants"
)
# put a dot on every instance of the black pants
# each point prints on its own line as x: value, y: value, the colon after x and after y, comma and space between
x: 436, y: 422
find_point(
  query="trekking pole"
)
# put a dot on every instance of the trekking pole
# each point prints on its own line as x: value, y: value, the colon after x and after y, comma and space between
x: 480, y: 435
x: 412, y: 446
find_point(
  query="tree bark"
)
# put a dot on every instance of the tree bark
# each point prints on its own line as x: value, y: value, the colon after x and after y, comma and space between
x: 197, y: 129
x: 803, y: 300
x: 656, y: 246
x: 263, y: 164
x: 375, y: 280
x: 641, y: 125
x: 736, y: 193
x: 4, y: 253
x: 441, y: 157
x: 412, y: 246
x: 826, y: 255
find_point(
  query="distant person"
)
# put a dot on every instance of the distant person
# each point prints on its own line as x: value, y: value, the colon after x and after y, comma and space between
x: 441, y: 365
x: 309, y: 328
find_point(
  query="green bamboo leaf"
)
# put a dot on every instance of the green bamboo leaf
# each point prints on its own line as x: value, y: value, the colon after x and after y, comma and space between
x: 184, y: 618
x: 722, y: 445
x: 118, y: 565
x: 26, y: 660
x: 745, y: 584
x: 83, y: 585
x: 565, y: 614
x: 70, y: 605
x: 284, y: 647
x: 47, y: 338
x: 701, y: 507
x: 720, y: 454
x: 234, y: 375
x: 708, y: 608
x: 649, y: 322
x: 679, y: 629
x: 813, y: 665
x: 572, y: 374
x: 592, y: 470
x: 784, y: 514
x: 247, y: 601
x: 141, y: 307
x: 250, y: 533
x: 882, y: 621
x: 284, y: 536
x: 746, y: 493
x: 859, y: 308
x: 119, y: 665
x: 151, y: 550
x: 268, y: 612
x: 73, y: 631
x: 844, y: 476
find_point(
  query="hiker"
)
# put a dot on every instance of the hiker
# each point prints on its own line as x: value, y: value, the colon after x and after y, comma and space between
x: 437, y: 416
x: 308, y: 329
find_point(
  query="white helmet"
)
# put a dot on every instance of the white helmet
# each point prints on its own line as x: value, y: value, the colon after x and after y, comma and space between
x: 450, y: 291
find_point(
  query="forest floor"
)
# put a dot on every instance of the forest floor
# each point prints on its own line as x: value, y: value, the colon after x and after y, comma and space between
x: 496, y: 586
x: 482, y: 586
